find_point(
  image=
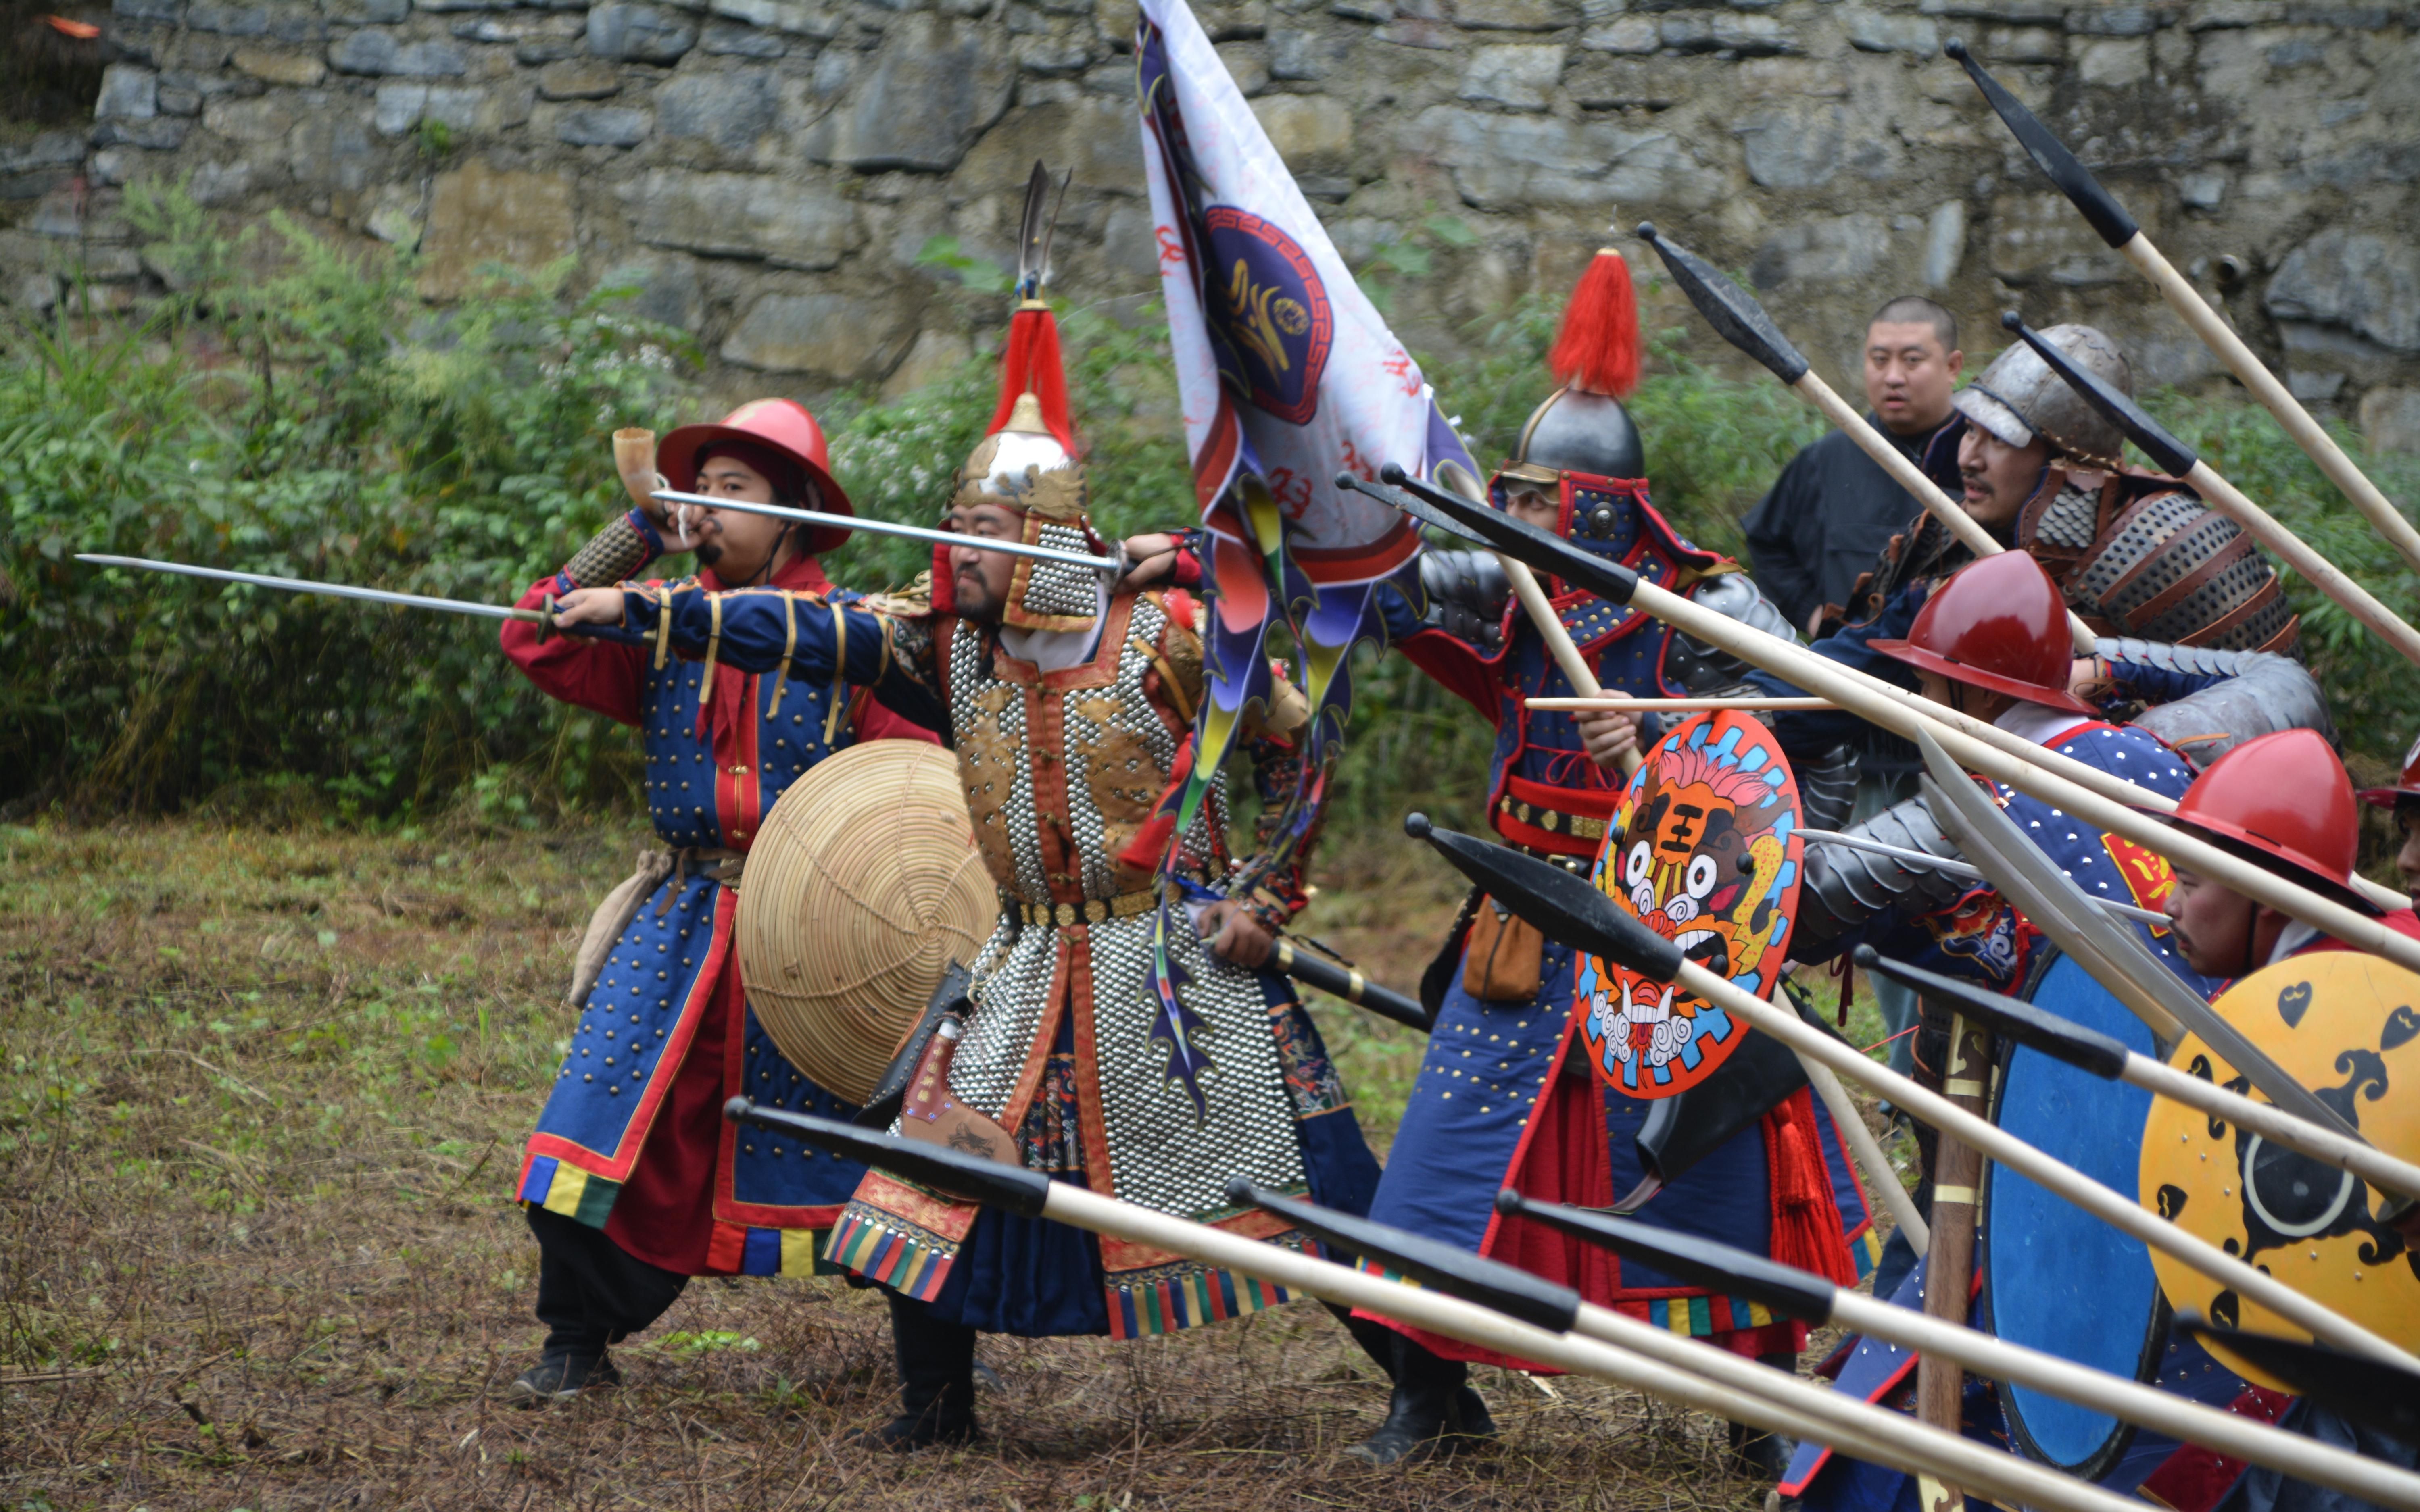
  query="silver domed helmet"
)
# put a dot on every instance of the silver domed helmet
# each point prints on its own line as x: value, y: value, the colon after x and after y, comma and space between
x: 2019, y: 398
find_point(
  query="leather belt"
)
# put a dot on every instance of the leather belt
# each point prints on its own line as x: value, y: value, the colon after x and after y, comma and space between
x: 1091, y: 911
x: 1578, y: 866
x: 1578, y: 825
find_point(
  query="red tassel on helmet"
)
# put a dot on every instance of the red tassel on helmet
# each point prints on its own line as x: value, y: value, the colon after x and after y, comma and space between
x: 1598, y: 347
x: 1032, y: 366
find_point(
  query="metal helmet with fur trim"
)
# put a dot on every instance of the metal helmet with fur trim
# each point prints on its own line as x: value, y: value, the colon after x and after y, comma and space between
x: 2018, y: 398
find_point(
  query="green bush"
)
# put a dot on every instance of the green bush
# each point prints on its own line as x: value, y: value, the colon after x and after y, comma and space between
x: 296, y: 409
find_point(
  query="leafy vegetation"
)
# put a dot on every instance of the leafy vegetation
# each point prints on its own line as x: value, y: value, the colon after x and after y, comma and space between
x: 293, y: 409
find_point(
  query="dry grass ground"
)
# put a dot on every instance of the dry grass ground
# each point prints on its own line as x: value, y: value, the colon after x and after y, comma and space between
x: 259, y: 1119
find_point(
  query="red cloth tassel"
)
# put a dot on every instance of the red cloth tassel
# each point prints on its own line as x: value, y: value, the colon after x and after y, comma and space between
x: 1032, y: 366
x: 1598, y: 347
x: 1805, y: 1220
x: 1149, y: 846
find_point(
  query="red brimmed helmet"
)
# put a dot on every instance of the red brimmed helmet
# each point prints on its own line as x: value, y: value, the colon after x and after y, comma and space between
x: 1998, y: 623
x: 2407, y: 788
x: 783, y: 425
x: 2287, y: 797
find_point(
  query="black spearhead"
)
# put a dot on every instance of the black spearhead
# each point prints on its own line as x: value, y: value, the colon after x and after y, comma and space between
x: 1539, y: 550
x: 1010, y: 1188
x: 1411, y: 504
x: 2174, y: 457
x: 2012, y: 1018
x: 1786, y: 1290
x: 2050, y: 154
x: 1732, y: 310
x: 1564, y: 908
x: 1431, y: 1262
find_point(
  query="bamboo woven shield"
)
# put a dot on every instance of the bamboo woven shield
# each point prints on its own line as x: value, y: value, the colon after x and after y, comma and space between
x: 863, y: 885
x: 2348, y: 1026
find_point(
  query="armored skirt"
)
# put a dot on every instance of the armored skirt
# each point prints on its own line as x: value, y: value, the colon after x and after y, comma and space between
x: 631, y: 1140
x: 1495, y: 1107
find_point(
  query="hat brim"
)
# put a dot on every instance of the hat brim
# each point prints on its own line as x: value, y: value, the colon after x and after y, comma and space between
x: 2388, y: 797
x: 2279, y: 861
x: 676, y: 459
x: 1958, y: 672
x: 1991, y: 413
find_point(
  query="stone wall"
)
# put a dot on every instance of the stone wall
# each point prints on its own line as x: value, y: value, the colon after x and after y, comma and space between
x: 768, y: 171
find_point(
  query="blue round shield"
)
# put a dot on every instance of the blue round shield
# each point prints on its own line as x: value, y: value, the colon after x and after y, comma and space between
x: 2054, y: 1278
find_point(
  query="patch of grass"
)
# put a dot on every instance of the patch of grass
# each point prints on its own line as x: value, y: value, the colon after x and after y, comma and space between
x: 262, y: 1097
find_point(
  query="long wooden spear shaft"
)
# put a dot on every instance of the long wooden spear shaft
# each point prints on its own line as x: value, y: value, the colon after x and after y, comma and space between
x: 2005, y: 758
x: 1795, y: 1293
x: 1570, y: 911
x: 1541, y: 610
x: 1491, y: 1304
x: 2097, y: 1055
x: 2177, y: 460
x: 2119, y: 230
x: 1738, y: 319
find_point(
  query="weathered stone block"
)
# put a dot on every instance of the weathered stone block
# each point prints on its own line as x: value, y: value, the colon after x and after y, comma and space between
x: 582, y: 78
x: 781, y: 221
x: 1823, y: 248
x: 164, y: 13
x: 2363, y: 281
x: 937, y: 82
x: 1305, y: 54
x: 2024, y: 44
x: 1513, y: 15
x: 603, y: 126
x: 330, y: 152
x: 538, y: 50
x: 374, y: 51
x: 395, y: 216
x: 735, y: 39
x: 2036, y: 11
x: 1052, y: 59
x: 1797, y: 144
x: 1746, y: 36
x: 663, y: 289
x: 1091, y: 138
x: 1634, y: 35
x: 1516, y: 162
x: 368, y: 13
x: 162, y: 134
x: 2203, y: 189
x: 174, y: 101
x: 1307, y: 130
x: 2390, y: 419
x: 1516, y: 75
x: 2116, y: 19
x: 821, y: 23
x: 2039, y: 238
x: 840, y: 335
x: 397, y: 107
x: 731, y: 110
x: 934, y: 356
x: 478, y: 215
x: 1875, y: 31
x: 1945, y: 243
x: 639, y: 34
x: 1621, y: 84
x: 299, y: 70
x: 221, y: 183
x: 2116, y: 63
x: 227, y: 19
x: 2221, y: 15
x: 1248, y: 64
x: 126, y: 94
x: 260, y: 119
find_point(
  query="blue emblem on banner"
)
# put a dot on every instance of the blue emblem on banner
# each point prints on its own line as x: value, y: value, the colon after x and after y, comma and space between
x: 1268, y: 314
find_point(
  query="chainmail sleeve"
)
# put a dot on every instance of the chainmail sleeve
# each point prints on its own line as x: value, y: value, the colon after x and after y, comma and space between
x: 2204, y: 702
x: 613, y: 555
x: 1844, y: 888
x: 1827, y: 780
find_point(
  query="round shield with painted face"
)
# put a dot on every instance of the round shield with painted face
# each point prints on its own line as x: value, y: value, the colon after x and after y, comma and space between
x: 1704, y: 849
x: 2347, y: 1025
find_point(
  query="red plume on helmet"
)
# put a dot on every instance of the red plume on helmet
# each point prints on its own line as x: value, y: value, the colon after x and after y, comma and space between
x: 1597, y: 350
x: 2286, y: 798
x: 1033, y: 364
x: 1998, y: 623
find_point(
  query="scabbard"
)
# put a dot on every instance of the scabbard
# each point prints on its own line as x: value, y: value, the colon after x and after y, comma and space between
x: 1343, y: 982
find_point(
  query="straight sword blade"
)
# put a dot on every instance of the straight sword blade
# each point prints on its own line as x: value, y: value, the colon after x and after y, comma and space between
x: 1112, y: 566
x: 305, y: 585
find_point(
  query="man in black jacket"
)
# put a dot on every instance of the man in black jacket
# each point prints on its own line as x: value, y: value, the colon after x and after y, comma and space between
x: 1834, y: 508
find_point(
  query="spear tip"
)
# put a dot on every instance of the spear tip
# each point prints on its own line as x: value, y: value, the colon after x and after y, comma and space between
x: 1393, y: 474
x: 1956, y: 49
x: 1647, y: 231
x: 2011, y: 320
x: 1417, y: 825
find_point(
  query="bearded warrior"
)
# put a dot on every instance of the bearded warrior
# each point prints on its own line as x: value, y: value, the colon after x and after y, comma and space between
x: 631, y: 1182
x: 1502, y: 1100
x: 1116, y: 1033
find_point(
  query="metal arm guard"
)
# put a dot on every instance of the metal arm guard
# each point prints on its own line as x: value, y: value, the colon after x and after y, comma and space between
x: 1701, y: 668
x: 1465, y: 593
x: 1844, y: 888
x: 611, y: 556
x: 1827, y: 786
x: 2263, y: 693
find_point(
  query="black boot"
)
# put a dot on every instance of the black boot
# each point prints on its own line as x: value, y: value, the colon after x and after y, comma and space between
x: 1433, y: 1409
x: 563, y: 1373
x: 936, y: 1382
x: 1755, y: 1455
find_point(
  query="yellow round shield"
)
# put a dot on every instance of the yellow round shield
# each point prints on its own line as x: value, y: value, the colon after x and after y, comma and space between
x: 863, y: 886
x: 2345, y: 1025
